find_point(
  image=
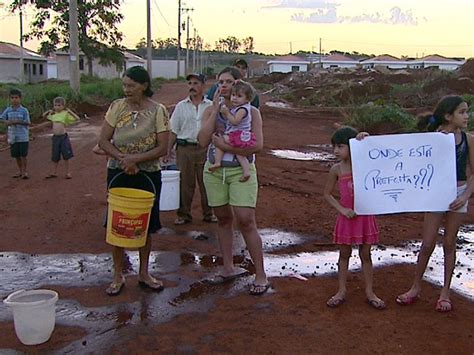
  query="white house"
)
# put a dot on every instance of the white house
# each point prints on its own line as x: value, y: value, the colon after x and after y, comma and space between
x: 288, y: 64
x: 34, y: 65
x: 436, y: 61
x: 386, y: 61
x: 58, y: 66
x: 338, y: 61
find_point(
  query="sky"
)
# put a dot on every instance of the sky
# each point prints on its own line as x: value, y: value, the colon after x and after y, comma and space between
x: 403, y: 27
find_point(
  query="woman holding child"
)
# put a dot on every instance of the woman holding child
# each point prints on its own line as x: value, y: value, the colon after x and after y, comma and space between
x: 227, y: 194
x: 138, y: 128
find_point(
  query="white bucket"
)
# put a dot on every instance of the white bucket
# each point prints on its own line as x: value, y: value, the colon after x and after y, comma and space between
x: 34, y: 314
x: 169, y: 197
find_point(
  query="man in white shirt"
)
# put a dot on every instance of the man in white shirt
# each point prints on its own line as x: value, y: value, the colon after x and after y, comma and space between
x: 190, y: 157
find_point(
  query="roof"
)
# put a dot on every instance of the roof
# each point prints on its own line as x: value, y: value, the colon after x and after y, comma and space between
x: 338, y: 58
x: 10, y: 50
x: 131, y: 56
x: 436, y: 58
x: 383, y: 58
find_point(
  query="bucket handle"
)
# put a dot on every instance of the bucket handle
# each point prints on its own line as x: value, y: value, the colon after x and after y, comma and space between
x: 141, y: 173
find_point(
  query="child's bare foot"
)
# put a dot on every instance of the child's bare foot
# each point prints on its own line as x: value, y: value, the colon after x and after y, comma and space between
x: 244, y: 177
x: 214, y: 167
x: 336, y: 300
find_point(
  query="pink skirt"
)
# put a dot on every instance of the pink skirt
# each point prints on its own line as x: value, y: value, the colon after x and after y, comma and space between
x: 242, y: 139
x: 357, y: 230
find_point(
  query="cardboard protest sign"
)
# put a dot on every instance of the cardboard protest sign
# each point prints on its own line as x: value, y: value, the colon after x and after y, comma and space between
x: 403, y: 173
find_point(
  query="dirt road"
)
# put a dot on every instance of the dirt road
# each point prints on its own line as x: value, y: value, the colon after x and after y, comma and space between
x: 62, y: 219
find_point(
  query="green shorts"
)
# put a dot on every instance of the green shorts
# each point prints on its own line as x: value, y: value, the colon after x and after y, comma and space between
x: 224, y: 188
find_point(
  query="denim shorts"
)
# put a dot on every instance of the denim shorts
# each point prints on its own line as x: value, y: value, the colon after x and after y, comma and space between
x: 61, y: 147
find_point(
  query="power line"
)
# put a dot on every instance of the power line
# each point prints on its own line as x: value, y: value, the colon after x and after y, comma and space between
x: 163, y: 16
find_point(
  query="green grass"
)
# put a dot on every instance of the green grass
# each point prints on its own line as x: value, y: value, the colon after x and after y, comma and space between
x: 38, y: 98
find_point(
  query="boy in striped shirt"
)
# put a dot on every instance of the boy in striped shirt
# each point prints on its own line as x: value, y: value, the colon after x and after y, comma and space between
x: 17, y: 118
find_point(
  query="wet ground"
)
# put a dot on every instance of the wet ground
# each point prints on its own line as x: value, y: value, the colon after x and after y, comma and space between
x: 53, y: 238
x: 190, y: 294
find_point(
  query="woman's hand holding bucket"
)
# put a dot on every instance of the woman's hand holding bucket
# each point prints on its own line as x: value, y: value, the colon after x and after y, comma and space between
x: 128, y: 164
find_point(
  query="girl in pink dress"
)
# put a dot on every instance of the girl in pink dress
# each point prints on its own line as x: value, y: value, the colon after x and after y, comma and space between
x: 350, y: 229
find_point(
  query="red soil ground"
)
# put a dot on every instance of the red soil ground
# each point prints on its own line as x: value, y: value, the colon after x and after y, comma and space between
x: 65, y: 216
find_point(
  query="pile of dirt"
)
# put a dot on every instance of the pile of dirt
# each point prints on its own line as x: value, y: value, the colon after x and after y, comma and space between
x: 467, y: 69
x: 409, y: 88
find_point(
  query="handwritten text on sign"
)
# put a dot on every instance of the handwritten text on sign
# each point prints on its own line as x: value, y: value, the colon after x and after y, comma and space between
x: 403, y: 173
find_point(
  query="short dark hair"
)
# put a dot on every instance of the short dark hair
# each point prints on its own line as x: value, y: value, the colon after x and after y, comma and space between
x: 241, y: 62
x: 232, y: 71
x: 245, y: 88
x: 15, y: 92
x: 343, y: 135
x: 140, y: 75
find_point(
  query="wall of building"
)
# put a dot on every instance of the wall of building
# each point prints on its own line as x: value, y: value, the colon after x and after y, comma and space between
x: 9, y: 70
x: 338, y: 65
x: 34, y: 70
x: 286, y: 68
x: 166, y: 68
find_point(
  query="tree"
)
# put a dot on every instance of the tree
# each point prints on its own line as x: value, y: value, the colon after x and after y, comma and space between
x: 247, y: 43
x: 230, y: 44
x: 99, y: 36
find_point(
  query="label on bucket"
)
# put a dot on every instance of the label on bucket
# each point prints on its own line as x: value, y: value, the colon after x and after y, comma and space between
x: 129, y: 226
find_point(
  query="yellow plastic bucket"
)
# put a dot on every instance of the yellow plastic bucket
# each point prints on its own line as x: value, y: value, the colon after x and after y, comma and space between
x: 128, y: 216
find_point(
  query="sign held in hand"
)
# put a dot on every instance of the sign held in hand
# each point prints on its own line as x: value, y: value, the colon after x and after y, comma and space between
x: 403, y: 173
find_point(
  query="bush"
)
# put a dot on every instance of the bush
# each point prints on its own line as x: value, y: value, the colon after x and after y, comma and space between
x: 381, y: 119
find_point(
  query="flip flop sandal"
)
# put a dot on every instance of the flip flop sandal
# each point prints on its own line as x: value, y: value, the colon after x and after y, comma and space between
x: 406, y: 300
x: 16, y: 176
x: 159, y: 286
x: 334, y: 302
x: 68, y: 176
x: 222, y: 279
x: 257, y: 290
x: 25, y: 176
x: 51, y: 176
x: 379, y: 305
x: 115, y: 288
x: 441, y: 306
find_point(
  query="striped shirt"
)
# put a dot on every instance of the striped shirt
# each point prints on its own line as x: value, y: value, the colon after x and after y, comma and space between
x: 17, y: 133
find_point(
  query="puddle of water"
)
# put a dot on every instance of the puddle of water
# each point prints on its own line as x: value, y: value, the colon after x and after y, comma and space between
x: 277, y: 104
x: 110, y: 324
x: 296, y: 155
x: 322, y: 263
x: 273, y: 239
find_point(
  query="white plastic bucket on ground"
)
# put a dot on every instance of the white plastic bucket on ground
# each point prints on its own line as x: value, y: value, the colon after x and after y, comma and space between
x: 34, y: 314
x: 169, y: 197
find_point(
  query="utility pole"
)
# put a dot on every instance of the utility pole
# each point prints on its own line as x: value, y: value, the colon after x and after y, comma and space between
x: 22, y: 66
x: 179, y: 38
x: 194, y: 51
x: 74, y: 79
x: 187, y: 44
x: 320, y: 52
x: 149, y: 54
x: 291, y: 48
x: 186, y: 65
